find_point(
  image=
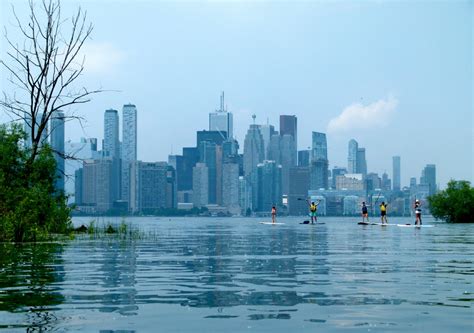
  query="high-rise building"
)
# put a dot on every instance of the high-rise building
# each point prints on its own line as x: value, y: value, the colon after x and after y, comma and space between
x: 57, y: 145
x: 221, y: 120
x: 386, y: 182
x: 151, y: 186
x: 373, y: 181
x: 289, y: 125
x: 352, y: 156
x: 129, y: 146
x: 190, y: 158
x: 304, y: 158
x: 208, y: 156
x: 86, y: 149
x: 267, y: 132
x: 396, y: 174
x: 200, y: 185
x: 337, y: 171
x: 253, y: 149
x: 111, y: 145
x: 319, y: 146
x: 212, y: 136
x: 230, y: 187
x: 287, y: 160
x: 269, y: 185
x: 319, y: 178
x: 428, y: 177
x: 361, y: 161
x: 299, y: 187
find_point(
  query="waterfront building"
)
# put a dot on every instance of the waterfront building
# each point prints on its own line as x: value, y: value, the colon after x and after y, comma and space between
x: 428, y: 177
x: 230, y: 187
x: 129, y: 146
x: 336, y: 171
x: 350, y: 181
x: 304, y: 158
x: 361, y: 161
x: 269, y: 185
x: 289, y: 125
x: 352, y: 156
x: 299, y: 187
x: 267, y: 132
x: 200, y: 185
x: 111, y: 144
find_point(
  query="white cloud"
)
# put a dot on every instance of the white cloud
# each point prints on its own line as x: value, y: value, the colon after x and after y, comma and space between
x: 101, y: 58
x: 359, y: 116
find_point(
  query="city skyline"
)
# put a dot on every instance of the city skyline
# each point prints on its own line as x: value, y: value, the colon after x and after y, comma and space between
x: 397, y: 111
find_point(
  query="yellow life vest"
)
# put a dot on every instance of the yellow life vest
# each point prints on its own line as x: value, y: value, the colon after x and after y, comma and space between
x: 313, y: 208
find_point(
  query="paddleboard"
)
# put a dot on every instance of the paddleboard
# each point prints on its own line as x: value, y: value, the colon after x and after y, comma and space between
x: 313, y: 223
x: 271, y: 223
x: 415, y: 225
x: 363, y: 223
x: 383, y: 224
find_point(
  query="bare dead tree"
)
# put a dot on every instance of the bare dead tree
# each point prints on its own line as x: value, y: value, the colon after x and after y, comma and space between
x: 44, y: 68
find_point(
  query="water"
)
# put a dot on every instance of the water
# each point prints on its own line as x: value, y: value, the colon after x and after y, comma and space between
x: 234, y: 274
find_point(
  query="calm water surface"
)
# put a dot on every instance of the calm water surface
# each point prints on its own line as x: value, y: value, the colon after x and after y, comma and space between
x: 234, y: 274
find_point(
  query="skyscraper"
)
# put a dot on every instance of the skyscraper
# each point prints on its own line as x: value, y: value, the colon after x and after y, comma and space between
x: 267, y: 132
x: 299, y: 187
x: 208, y: 156
x: 428, y: 177
x: 129, y: 146
x: 200, y: 185
x: 361, y: 164
x: 319, y: 162
x: 352, y: 156
x: 320, y: 146
x: 304, y: 158
x: 287, y: 160
x: 253, y: 149
x: 221, y: 120
x: 289, y: 125
x: 230, y: 187
x: 269, y: 185
x: 111, y: 145
x: 57, y: 144
x: 396, y: 173
x: 32, y: 131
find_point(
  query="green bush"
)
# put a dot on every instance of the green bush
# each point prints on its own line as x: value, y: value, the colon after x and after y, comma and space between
x: 30, y: 207
x: 455, y: 204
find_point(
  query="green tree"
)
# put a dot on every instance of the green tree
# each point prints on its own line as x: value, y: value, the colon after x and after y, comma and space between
x: 455, y: 204
x: 30, y: 207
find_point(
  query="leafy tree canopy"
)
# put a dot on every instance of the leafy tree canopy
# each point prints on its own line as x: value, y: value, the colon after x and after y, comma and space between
x: 455, y: 204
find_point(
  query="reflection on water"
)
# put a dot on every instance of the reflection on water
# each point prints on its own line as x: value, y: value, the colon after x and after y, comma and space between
x: 236, y: 274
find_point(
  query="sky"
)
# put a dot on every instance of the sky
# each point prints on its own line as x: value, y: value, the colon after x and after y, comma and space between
x: 397, y: 76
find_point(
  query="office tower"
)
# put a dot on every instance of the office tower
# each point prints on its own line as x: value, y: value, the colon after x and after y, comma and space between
x: 361, y: 161
x: 151, y: 186
x: 111, y: 145
x: 337, y: 171
x: 245, y: 195
x: 396, y: 174
x: 200, y: 185
x: 269, y: 185
x: 351, y: 205
x: 319, y: 162
x: 289, y: 125
x: 373, y: 181
x: 78, y: 176
x: 185, y: 178
x: 274, y: 148
x: 304, y: 158
x: 212, y: 136
x: 299, y: 187
x: 413, y: 182
x: 287, y: 160
x: 319, y: 146
x: 230, y: 187
x: 129, y: 146
x: 230, y: 149
x: 267, y: 132
x: 386, y: 182
x: 100, y: 180
x: 350, y: 182
x: 208, y: 155
x: 352, y: 156
x: 319, y: 174
x: 221, y: 120
x: 86, y: 149
x: 428, y: 177
x: 253, y: 149
x: 57, y: 145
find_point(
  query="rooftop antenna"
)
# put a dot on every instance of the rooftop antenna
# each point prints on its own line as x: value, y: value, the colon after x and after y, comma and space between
x: 222, y: 101
x: 253, y: 117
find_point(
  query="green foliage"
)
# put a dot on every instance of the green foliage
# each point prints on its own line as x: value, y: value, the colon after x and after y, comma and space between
x: 455, y: 204
x: 30, y: 208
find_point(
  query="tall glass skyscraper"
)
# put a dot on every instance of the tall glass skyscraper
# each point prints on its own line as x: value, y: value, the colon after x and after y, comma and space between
x: 320, y: 146
x: 352, y: 156
x: 111, y: 145
x: 428, y: 177
x: 396, y: 173
x: 129, y: 146
x: 221, y: 120
x: 361, y: 164
x: 289, y: 125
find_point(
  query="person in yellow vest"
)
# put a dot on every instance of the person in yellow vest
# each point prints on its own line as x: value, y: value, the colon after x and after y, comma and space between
x: 313, y: 208
x: 383, y: 212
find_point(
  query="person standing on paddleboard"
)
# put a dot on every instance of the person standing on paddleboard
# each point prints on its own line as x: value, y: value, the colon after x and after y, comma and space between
x: 313, y: 208
x: 274, y: 213
x: 383, y: 212
x: 417, y: 207
x: 365, y: 213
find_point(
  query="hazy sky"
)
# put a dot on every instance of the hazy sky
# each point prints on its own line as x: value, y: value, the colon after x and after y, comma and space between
x: 395, y: 76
